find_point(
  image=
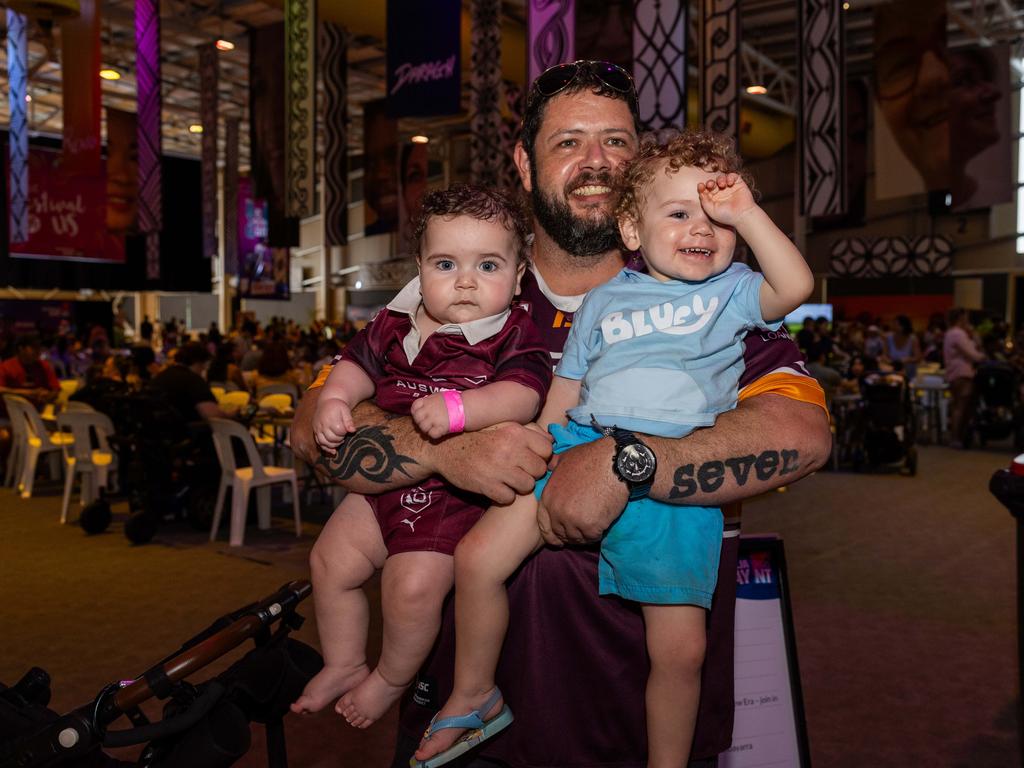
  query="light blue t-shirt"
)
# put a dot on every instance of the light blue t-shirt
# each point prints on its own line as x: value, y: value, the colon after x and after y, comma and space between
x: 662, y: 358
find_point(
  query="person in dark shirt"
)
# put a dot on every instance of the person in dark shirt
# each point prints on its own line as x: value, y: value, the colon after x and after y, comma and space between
x: 27, y: 374
x: 183, y: 385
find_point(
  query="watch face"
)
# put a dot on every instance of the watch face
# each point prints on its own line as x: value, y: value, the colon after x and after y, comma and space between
x: 635, y: 463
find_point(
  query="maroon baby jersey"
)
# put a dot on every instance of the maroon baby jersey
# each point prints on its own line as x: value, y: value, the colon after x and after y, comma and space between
x: 574, y: 666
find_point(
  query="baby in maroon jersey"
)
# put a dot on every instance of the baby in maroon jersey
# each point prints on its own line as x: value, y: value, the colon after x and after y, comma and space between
x: 450, y: 352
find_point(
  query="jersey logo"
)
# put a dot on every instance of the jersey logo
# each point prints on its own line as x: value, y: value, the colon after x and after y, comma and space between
x: 416, y: 500
x: 662, y: 318
x: 476, y: 381
x: 412, y: 523
x: 561, y: 321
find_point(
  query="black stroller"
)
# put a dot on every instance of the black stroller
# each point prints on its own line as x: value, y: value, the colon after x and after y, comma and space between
x: 998, y: 412
x: 884, y: 432
x: 204, y: 726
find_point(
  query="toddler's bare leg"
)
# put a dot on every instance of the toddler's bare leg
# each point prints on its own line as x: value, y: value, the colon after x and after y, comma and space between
x: 349, y: 550
x: 414, y: 586
x: 484, y: 559
x: 676, y: 638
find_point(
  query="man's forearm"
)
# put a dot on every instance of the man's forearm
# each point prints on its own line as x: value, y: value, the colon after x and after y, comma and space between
x: 765, y: 442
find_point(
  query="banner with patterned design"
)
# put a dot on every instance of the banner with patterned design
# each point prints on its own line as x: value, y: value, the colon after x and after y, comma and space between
x: 17, y: 137
x: 147, y: 77
x: 551, y: 33
x: 659, y: 62
x: 334, y: 72
x: 230, y: 184
x: 300, y: 107
x: 208, y: 102
x: 485, y: 147
x: 926, y: 256
x: 720, y: 66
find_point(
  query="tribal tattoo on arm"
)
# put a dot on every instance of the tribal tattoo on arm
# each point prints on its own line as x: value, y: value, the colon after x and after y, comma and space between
x: 709, y: 477
x: 370, y: 453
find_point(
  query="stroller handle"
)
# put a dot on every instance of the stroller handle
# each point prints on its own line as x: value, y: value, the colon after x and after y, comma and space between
x: 254, y: 619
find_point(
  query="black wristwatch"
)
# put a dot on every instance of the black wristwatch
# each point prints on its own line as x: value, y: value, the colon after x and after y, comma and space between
x: 634, y: 463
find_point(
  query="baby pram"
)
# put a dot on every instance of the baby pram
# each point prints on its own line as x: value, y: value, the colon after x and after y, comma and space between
x: 203, y: 726
x: 998, y: 413
x: 883, y: 430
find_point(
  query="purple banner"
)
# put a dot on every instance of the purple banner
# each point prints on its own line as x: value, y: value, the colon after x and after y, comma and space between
x: 147, y: 75
x: 17, y: 138
x: 424, y: 66
x: 551, y: 28
x: 208, y: 117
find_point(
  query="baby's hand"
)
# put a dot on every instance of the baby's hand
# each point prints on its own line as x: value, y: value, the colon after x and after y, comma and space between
x: 726, y: 199
x: 431, y: 415
x: 332, y: 422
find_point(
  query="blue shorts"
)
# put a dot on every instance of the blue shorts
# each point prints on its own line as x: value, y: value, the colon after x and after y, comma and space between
x: 655, y: 552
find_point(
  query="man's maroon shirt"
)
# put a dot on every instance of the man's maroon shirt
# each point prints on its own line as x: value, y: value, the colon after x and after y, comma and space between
x: 574, y: 666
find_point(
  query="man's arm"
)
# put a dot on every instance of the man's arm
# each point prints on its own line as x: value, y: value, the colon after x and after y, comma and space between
x: 765, y: 442
x: 387, y: 452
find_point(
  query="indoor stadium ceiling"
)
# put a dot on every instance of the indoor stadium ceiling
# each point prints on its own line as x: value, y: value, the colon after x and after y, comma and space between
x: 769, y: 37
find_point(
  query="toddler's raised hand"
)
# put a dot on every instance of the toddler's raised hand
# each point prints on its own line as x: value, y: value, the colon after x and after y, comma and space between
x: 430, y: 414
x: 331, y: 423
x: 726, y: 198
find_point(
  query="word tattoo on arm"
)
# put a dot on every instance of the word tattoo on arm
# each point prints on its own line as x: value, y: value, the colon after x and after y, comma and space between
x: 711, y: 475
x: 370, y: 452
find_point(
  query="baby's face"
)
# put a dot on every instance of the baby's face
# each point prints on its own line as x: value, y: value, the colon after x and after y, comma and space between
x: 677, y: 238
x: 468, y: 269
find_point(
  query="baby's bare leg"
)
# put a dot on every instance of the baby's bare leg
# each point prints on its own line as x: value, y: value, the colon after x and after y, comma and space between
x: 413, y: 588
x: 484, y: 559
x: 676, y: 638
x: 349, y: 550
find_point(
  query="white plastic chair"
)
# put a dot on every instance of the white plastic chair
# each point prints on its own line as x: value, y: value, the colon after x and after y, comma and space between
x: 243, y: 479
x: 95, y: 465
x: 37, y: 442
x: 19, y: 437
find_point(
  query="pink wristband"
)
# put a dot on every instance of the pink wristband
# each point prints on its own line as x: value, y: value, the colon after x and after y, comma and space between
x: 456, y: 413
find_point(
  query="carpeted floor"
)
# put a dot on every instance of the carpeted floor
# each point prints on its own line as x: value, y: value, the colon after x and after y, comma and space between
x: 903, y: 594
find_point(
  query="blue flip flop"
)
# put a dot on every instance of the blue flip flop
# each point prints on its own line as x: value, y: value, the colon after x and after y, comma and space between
x: 480, y: 731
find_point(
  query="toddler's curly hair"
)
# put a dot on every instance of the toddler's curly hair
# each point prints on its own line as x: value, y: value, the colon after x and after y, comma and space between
x: 706, y: 150
x: 479, y: 203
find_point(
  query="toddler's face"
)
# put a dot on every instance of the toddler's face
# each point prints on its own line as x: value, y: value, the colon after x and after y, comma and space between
x: 677, y: 238
x: 468, y: 269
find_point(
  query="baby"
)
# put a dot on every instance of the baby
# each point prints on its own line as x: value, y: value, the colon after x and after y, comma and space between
x: 657, y: 353
x: 449, y: 351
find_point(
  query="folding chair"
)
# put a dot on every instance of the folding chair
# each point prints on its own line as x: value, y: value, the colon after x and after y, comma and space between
x: 94, y: 464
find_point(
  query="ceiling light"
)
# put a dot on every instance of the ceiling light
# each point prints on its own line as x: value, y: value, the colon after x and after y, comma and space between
x: 224, y: 45
x: 756, y: 90
x: 420, y: 139
x: 110, y: 74
x: 28, y: 97
x: 846, y: 6
x: 195, y: 128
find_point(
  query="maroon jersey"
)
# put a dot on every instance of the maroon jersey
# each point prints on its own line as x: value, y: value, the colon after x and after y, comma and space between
x: 574, y: 666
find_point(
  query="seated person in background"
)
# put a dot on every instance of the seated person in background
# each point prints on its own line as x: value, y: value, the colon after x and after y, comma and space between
x: 450, y: 352
x: 224, y: 368
x: 275, y: 367
x: 903, y: 349
x: 27, y: 374
x: 829, y: 378
x: 183, y: 385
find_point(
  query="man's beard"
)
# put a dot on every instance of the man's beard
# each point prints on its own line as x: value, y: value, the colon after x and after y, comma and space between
x: 578, y: 236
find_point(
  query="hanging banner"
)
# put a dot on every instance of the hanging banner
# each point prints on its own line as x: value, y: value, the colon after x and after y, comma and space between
x: 720, y: 67
x: 267, y: 130
x: 263, y: 270
x: 334, y: 69
x: 424, y: 62
x: 17, y: 137
x: 231, y: 126
x: 981, y: 145
x: 147, y: 78
x: 551, y: 29
x: 122, y: 172
x: 80, y: 88
x: 64, y: 214
x: 822, y: 101
x: 858, y: 107
x: 380, y: 178
x: 912, y: 104
x: 413, y: 171
x: 208, y: 98
x: 604, y: 31
x: 659, y: 63
x: 485, y: 93
x: 300, y: 107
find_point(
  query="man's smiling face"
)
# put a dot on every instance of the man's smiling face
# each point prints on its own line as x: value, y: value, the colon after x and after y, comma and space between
x: 583, y: 140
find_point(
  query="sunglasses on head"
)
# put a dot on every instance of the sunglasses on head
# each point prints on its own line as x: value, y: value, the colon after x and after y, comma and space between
x: 559, y: 77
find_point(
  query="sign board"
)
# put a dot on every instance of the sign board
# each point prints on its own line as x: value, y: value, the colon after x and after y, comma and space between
x: 769, y: 728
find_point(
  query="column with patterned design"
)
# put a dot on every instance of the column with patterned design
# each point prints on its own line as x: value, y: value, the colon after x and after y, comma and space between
x: 208, y: 154
x: 300, y: 107
x: 659, y: 62
x: 551, y: 26
x: 17, y: 139
x: 334, y: 72
x: 147, y: 76
x: 822, y: 109
x: 230, y: 184
x: 720, y: 66
x: 485, y: 85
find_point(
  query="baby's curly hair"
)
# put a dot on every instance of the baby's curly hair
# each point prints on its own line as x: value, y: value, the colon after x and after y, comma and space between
x: 479, y: 203
x: 695, y: 148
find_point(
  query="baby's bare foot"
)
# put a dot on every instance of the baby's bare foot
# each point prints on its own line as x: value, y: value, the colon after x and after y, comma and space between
x: 328, y: 684
x: 369, y: 700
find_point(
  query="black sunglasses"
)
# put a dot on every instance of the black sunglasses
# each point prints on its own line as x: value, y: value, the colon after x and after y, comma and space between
x: 557, y: 78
